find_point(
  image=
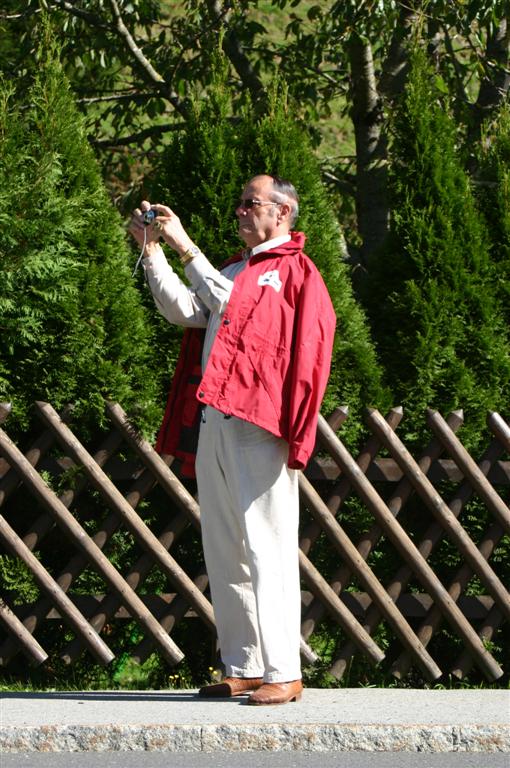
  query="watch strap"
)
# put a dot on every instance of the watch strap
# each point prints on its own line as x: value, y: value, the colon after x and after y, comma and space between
x: 190, y: 254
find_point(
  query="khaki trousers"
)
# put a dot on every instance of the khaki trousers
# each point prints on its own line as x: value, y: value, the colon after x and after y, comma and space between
x: 249, y: 506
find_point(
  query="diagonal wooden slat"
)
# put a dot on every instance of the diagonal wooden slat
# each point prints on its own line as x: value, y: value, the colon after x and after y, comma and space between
x: 442, y: 512
x: 311, y: 532
x: 41, y: 527
x: 470, y: 469
x: 139, y: 529
x: 399, y: 497
x: 9, y: 478
x: 490, y: 625
x: 500, y: 429
x: 77, y: 535
x: 319, y: 585
x: 409, y: 551
x: 157, y: 466
x: 5, y: 409
x: 349, y: 552
x: 369, y: 540
x: 177, y: 610
x: 67, y: 609
x: 14, y: 626
x: 430, y: 538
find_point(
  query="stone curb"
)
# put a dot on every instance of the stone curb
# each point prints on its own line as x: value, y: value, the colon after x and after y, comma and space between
x: 246, y: 737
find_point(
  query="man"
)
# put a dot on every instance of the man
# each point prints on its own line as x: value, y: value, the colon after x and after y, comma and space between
x: 269, y: 327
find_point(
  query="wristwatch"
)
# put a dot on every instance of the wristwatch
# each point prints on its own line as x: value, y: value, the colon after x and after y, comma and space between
x: 190, y: 254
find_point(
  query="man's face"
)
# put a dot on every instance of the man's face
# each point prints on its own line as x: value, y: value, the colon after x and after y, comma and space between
x: 261, y: 222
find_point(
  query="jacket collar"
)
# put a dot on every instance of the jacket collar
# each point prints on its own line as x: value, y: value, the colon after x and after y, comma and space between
x: 269, y: 245
x: 288, y: 248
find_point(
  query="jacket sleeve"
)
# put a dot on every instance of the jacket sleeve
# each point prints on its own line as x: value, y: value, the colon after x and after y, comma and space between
x: 177, y: 302
x: 314, y: 330
x: 211, y: 287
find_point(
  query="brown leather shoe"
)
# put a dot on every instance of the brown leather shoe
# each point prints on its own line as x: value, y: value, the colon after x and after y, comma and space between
x: 230, y: 686
x: 277, y: 693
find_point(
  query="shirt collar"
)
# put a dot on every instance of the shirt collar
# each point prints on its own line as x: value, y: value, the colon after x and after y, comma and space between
x: 274, y: 243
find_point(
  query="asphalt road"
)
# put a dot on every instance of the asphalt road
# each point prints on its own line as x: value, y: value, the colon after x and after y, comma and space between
x: 255, y: 760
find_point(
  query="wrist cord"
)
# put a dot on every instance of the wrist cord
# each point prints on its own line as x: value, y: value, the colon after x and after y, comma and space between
x: 141, y: 252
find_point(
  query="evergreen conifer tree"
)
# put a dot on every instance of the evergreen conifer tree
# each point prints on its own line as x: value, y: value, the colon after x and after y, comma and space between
x: 202, y: 175
x: 431, y: 296
x: 72, y: 325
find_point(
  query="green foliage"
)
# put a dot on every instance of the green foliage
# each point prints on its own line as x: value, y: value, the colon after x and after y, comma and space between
x: 202, y: 174
x: 16, y: 578
x: 493, y: 192
x: 199, y: 173
x: 431, y: 297
x: 72, y: 326
x: 337, y: 57
x: 309, y: 43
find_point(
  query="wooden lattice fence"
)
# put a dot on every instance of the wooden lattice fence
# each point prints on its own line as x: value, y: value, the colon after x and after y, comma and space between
x: 417, y: 560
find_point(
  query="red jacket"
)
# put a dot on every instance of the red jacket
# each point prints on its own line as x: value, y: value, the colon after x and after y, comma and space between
x: 270, y: 360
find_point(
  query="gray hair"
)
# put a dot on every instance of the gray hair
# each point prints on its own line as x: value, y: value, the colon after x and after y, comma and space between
x: 285, y: 189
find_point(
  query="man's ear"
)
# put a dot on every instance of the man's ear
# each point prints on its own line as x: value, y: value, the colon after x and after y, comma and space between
x: 285, y: 210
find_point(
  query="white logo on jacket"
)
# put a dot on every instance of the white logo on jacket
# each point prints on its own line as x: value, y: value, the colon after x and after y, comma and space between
x: 271, y: 278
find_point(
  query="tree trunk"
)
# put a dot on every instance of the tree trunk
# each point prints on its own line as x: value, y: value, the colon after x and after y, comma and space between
x: 367, y: 113
x: 371, y: 164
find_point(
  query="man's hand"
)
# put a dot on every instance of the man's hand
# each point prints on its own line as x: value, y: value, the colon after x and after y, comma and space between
x: 143, y: 233
x: 171, y: 229
x: 166, y: 225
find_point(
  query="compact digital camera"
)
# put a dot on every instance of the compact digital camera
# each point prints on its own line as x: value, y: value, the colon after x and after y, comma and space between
x: 149, y: 216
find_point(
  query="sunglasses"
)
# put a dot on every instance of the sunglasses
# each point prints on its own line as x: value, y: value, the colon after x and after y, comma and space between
x: 249, y: 202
